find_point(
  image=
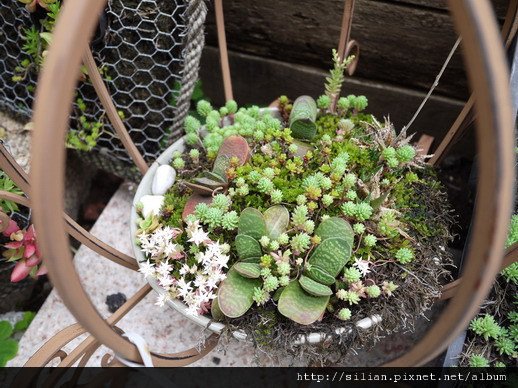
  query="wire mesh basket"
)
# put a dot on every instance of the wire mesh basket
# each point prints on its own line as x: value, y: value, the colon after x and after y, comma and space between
x: 140, y: 49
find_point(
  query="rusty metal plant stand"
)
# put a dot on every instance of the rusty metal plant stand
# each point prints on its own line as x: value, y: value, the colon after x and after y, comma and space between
x: 487, y: 72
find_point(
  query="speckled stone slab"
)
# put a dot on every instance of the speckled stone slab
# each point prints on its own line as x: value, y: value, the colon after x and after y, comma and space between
x: 164, y: 329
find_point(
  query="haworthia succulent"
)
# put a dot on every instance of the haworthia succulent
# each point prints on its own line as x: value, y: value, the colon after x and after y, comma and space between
x: 247, y: 247
x: 277, y: 219
x: 235, y: 294
x: 319, y: 275
x: 331, y: 255
x: 299, y: 306
x: 335, y: 227
x: 314, y: 288
x: 251, y: 223
x: 302, y: 118
x: 248, y: 270
x: 215, y: 311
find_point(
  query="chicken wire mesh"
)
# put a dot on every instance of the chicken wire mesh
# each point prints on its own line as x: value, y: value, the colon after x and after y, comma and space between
x: 148, y: 52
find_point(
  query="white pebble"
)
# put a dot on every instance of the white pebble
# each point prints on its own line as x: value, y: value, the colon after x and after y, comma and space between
x: 151, y: 204
x: 164, y: 178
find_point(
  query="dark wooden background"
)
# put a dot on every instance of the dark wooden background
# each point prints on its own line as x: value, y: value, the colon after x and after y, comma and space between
x: 284, y: 47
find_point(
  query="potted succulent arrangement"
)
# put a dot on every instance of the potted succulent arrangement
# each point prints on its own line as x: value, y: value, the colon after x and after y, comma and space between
x: 492, y: 336
x: 294, y: 225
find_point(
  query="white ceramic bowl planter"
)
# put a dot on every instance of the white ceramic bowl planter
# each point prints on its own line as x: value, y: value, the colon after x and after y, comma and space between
x: 159, y: 178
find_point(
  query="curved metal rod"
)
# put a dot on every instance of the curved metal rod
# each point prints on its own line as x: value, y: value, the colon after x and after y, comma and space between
x: 511, y: 256
x: 13, y: 169
x: 112, y: 320
x: 111, y: 111
x: 20, y: 178
x: 488, y: 75
x: 466, y: 116
x: 57, y: 83
x: 81, y: 235
x: 47, y: 352
x: 223, y: 51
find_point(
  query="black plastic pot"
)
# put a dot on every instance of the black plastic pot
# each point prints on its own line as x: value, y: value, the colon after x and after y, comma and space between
x: 13, y: 296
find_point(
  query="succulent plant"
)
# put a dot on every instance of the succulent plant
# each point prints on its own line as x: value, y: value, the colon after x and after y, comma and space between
x: 236, y: 292
x: 306, y: 301
x: 233, y: 148
x: 302, y: 118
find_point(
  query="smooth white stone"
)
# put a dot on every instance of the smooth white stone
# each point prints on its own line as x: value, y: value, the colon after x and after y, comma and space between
x: 151, y: 204
x: 164, y: 178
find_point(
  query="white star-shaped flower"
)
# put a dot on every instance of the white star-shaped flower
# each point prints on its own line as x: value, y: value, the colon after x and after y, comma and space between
x: 162, y: 299
x: 165, y: 281
x: 215, y: 248
x: 362, y: 266
x: 184, y: 288
x: 164, y: 268
x: 147, y: 269
x: 199, y: 236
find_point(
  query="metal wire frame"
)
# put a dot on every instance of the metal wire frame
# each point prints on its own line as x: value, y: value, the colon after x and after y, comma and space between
x: 466, y: 116
x: 487, y: 72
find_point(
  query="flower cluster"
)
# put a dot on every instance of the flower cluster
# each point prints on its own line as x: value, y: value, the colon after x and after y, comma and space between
x: 193, y: 280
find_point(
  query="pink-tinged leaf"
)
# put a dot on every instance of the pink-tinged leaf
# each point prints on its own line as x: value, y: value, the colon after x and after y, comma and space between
x: 194, y: 200
x: 42, y: 271
x: 30, y: 234
x: 30, y: 249
x: 34, y: 260
x: 14, y: 245
x: 235, y: 146
x: 12, y: 228
x: 232, y: 147
x: 20, y: 272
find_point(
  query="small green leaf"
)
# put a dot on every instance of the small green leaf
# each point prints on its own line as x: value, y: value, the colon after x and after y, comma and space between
x: 319, y: 275
x: 335, y: 227
x: 26, y: 320
x: 247, y: 247
x: 314, y: 288
x: 299, y: 306
x: 277, y: 294
x: 255, y: 259
x: 248, y: 270
x: 302, y: 118
x: 6, y: 329
x: 277, y: 219
x: 215, y: 177
x: 251, y: 223
x: 209, y: 183
x: 376, y: 203
x: 235, y: 294
x: 8, y: 350
x: 331, y: 256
